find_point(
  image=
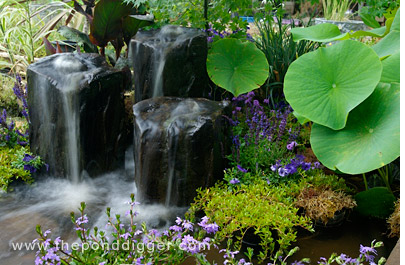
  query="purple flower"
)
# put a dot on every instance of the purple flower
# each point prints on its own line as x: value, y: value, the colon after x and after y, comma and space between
x: 266, y: 101
x: 190, y: 244
x: 234, y: 181
x: 176, y: 228
x: 82, y: 220
x: 188, y: 225
x: 291, y: 145
x: 241, y: 169
x: 30, y: 168
x: 317, y: 164
x: 282, y: 172
x: 290, y: 169
x: 28, y: 158
x: 306, y: 166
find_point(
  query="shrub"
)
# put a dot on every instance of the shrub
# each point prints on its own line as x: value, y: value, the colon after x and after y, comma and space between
x: 267, y: 210
x: 17, y: 163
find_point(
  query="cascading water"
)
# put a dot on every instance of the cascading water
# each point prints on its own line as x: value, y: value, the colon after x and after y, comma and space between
x: 69, y: 86
x: 169, y: 62
x: 77, y: 114
x: 177, y: 147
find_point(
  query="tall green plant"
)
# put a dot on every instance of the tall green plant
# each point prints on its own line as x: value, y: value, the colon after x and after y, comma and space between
x: 336, y: 9
x: 351, y: 93
x: 276, y: 42
x: 21, y: 31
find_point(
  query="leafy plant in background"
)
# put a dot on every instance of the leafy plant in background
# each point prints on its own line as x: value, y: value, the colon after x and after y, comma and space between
x: 377, y: 8
x: 236, y: 66
x: 354, y: 131
x: 220, y: 14
x: 336, y: 9
x: 21, y: 31
x: 276, y: 42
x: 113, y: 21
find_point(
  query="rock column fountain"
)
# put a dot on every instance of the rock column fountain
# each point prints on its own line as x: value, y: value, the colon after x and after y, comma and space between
x: 77, y: 114
x: 169, y: 62
x: 178, y: 147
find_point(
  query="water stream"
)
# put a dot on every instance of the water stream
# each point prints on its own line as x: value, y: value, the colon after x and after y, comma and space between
x: 49, y: 202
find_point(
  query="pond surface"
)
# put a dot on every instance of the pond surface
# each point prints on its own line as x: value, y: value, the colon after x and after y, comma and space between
x: 49, y: 202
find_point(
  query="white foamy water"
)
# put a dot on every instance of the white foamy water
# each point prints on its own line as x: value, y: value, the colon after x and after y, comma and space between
x: 49, y: 202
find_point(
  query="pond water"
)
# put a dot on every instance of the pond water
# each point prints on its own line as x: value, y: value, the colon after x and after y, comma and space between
x: 49, y: 202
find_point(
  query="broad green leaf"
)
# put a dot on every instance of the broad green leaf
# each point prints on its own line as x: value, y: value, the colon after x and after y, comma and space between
x: 131, y: 25
x: 325, y: 85
x: 329, y: 32
x: 237, y: 66
x: 107, y: 21
x: 301, y: 119
x: 391, y: 66
x: 396, y: 24
x: 79, y: 37
x: 370, y: 139
x: 369, y: 19
x: 390, y: 44
x: 324, y: 32
x: 375, y: 202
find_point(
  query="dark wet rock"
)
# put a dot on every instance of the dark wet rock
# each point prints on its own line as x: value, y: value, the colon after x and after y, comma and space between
x: 77, y: 113
x: 169, y: 62
x: 178, y: 147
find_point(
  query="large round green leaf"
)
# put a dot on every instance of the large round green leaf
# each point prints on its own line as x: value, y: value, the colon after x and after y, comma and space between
x: 325, y: 85
x: 237, y: 66
x: 370, y: 139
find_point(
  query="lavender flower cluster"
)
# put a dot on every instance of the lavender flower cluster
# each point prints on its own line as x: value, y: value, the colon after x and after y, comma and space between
x: 257, y: 133
x: 9, y: 134
x: 293, y: 166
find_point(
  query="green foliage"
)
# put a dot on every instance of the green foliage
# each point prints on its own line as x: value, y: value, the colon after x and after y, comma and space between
x: 378, y: 8
x: 369, y: 137
x: 220, y: 13
x: 319, y: 84
x: 21, y: 31
x: 79, y: 37
x: 266, y: 210
x: 8, y: 100
x: 10, y: 166
x: 276, y: 42
x: 375, y: 202
x: 236, y: 66
x: 336, y: 9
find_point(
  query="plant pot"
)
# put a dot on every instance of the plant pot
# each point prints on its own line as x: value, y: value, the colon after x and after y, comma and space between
x: 344, y: 26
